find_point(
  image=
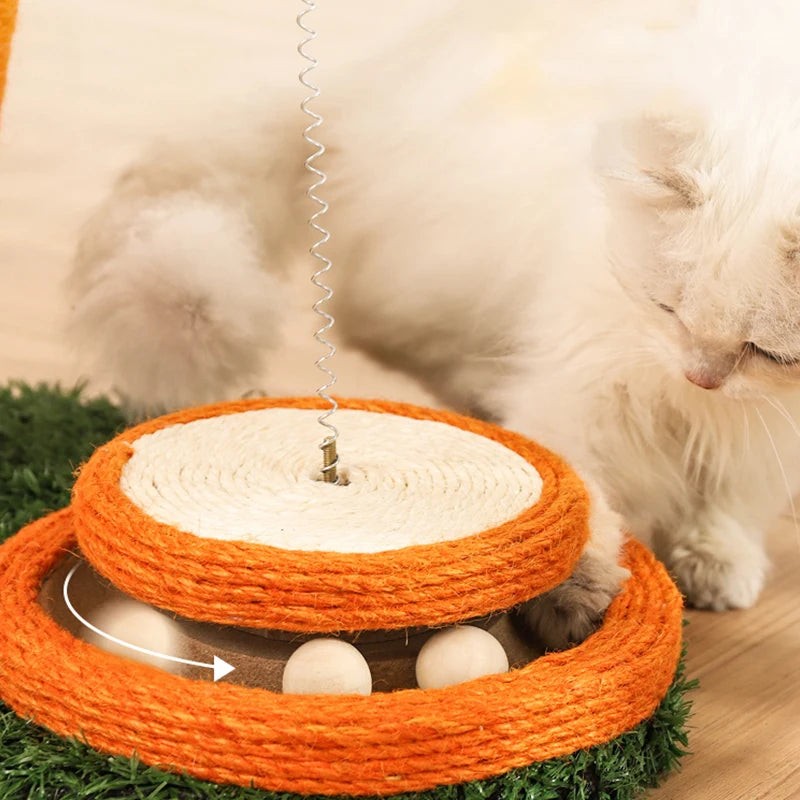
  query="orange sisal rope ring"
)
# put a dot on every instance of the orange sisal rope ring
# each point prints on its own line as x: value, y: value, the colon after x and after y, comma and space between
x: 382, y: 744
x: 8, y: 18
x: 260, y: 586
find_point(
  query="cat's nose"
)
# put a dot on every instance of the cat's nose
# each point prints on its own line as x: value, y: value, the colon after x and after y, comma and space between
x: 704, y: 379
x: 708, y: 365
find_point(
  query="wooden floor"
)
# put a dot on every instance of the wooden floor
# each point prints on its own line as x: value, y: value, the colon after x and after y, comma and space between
x: 91, y: 81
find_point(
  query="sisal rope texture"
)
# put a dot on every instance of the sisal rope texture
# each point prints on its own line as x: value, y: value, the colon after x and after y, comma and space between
x: 263, y: 586
x: 382, y: 744
x: 254, y: 476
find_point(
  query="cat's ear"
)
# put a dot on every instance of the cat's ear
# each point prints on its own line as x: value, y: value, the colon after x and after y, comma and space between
x: 649, y: 158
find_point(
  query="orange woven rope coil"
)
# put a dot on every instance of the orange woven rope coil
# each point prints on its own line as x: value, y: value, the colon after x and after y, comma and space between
x: 253, y: 585
x: 382, y: 744
x: 8, y: 18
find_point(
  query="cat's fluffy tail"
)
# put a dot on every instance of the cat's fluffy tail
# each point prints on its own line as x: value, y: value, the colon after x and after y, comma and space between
x: 178, y: 309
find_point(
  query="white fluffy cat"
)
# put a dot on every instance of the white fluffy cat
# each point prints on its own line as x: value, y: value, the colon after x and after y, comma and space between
x: 631, y: 298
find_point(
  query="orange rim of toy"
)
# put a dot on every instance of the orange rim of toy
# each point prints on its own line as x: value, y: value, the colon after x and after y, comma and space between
x: 8, y: 18
x: 382, y: 744
x: 260, y: 586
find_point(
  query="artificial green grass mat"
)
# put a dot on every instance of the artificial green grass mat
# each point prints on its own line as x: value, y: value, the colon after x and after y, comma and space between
x: 45, y: 433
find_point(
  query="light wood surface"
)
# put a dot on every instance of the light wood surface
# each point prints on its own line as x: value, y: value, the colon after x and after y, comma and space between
x: 92, y: 80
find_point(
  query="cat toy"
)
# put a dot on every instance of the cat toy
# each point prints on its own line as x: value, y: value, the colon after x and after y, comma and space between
x: 352, y: 627
x: 382, y: 743
x: 8, y: 18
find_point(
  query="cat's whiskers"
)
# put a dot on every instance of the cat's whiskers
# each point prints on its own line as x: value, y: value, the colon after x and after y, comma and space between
x: 746, y: 416
x: 782, y: 470
x: 739, y: 358
x: 783, y: 411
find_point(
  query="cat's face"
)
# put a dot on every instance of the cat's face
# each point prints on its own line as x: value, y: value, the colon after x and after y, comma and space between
x: 705, y: 238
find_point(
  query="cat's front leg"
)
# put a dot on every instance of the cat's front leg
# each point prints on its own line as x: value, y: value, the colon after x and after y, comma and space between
x: 717, y: 561
x: 571, y: 611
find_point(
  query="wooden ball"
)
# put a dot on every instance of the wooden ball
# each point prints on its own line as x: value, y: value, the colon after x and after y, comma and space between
x: 139, y: 625
x: 459, y: 654
x: 327, y: 666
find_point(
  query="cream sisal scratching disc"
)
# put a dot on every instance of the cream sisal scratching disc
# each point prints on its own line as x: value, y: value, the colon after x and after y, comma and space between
x: 445, y: 518
x: 253, y: 477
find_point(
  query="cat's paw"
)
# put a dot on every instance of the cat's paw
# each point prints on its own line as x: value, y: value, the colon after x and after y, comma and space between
x: 718, y: 575
x: 573, y: 610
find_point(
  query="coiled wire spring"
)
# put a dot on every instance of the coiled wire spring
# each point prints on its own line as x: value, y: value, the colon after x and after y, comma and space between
x: 330, y: 457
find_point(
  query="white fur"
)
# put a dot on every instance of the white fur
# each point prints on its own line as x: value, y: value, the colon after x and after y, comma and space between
x: 490, y: 241
x: 181, y: 308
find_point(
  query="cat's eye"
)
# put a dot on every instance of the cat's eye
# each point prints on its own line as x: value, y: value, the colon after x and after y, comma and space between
x: 665, y: 307
x: 769, y: 355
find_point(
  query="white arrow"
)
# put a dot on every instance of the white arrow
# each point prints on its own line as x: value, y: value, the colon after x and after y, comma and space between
x: 221, y: 668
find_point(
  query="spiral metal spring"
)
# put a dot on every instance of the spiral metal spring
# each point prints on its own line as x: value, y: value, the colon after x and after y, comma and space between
x: 330, y: 458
